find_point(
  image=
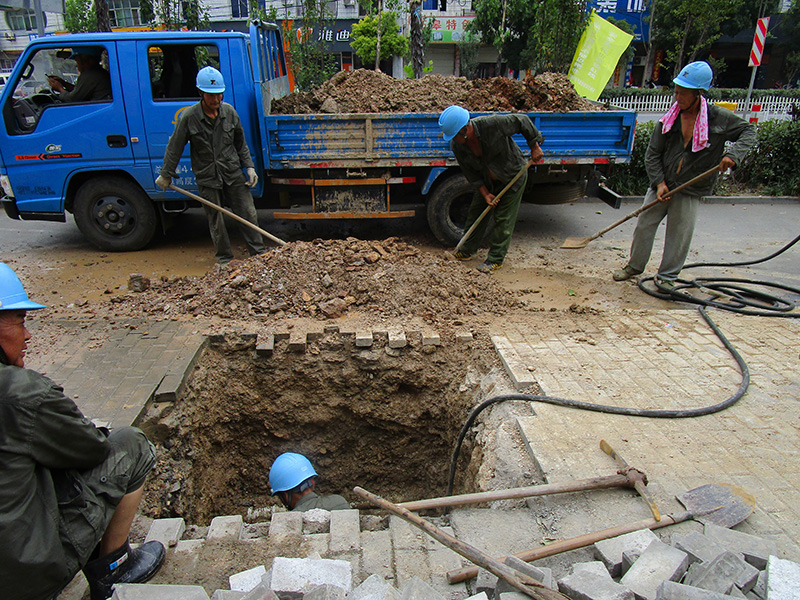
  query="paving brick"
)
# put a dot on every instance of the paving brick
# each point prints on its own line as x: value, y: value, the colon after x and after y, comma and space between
x: 363, y: 339
x: 463, y: 337
x: 543, y: 575
x: 297, y: 342
x: 146, y: 591
x: 515, y: 367
x: 325, y: 592
x: 783, y: 579
x: 245, y: 581
x: 589, y: 584
x: 410, y: 563
x: 671, y: 590
x: 374, y: 587
x: 397, y: 339
x: 291, y: 577
x: 659, y: 562
x: 760, y: 588
x: 756, y: 550
x: 431, y: 339
x: 405, y: 535
x: 316, y: 520
x: 376, y: 553
x: 610, y: 551
x: 283, y: 524
x: 697, y: 546
x: 260, y: 592
x: 225, y: 527
x: 441, y: 560
x: 417, y: 589
x: 227, y: 595
x: 166, y: 531
x: 478, y: 596
x: 318, y: 543
x: 345, y: 530
x: 722, y: 573
x: 265, y: 345
x: 485, y: 582
x: 189, y: 545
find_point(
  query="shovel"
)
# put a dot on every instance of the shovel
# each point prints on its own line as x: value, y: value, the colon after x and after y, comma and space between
x: 575, y: 242
x: 225, y: 211
x: 490, y: 206
x: 721, y: 504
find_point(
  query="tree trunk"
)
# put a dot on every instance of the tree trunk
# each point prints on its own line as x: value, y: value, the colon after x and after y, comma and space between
x: 501, y: 36
x: 378, y: 43
x: 417, y: 45
x: 679, y: 58
x: 103, y: 20
x: 651, y: 52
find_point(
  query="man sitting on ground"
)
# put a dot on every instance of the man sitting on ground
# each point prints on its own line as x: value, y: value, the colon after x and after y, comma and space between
x: 292, y: 479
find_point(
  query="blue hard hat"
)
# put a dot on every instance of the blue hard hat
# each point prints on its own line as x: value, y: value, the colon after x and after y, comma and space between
x: 210, y: 80
x: 452, y: 120
x: 288, y: 471
x: 12, y: 294
x: 695, y: 76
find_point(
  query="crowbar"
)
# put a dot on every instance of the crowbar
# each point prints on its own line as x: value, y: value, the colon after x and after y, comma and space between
x: 225, y: 211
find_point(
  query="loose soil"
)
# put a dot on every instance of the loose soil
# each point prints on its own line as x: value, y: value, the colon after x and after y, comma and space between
x: 364, y: 91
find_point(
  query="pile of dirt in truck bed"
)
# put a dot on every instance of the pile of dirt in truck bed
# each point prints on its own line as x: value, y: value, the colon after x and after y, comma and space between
x: 364, y: 91
x: 326, y: 279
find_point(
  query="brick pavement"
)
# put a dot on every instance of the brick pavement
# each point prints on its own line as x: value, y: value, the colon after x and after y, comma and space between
x: 113, y: 376
x: 670, y: 359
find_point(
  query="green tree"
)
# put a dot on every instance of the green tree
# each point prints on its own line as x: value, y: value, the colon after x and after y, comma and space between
x: 364, y: 38
x: 174, y: 14
x: 630, y: 52
x: 791, y: 33
x: 79, y: 16
x: 541, y: 35
x: 468, y: 49
x: 311, y: 61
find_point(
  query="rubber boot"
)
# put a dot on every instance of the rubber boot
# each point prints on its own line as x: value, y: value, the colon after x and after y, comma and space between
x: 124, y: 565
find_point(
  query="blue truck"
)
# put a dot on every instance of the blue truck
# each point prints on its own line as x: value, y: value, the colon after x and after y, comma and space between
x: 99, y: 160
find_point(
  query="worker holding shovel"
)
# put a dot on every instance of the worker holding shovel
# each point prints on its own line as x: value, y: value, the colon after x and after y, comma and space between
x: 690, y: 139
x: 490, y: 159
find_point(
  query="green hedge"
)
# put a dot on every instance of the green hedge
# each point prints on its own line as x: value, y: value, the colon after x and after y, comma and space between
x: 770, y: 168
x: 713, y: 93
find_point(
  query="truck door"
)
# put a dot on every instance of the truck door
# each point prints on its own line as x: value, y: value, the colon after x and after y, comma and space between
x: 46, y: 137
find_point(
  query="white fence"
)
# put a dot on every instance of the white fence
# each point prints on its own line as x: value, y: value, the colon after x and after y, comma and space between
x: 776, y: 107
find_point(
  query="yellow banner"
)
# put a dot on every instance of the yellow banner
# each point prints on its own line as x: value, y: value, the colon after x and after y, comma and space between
x: 597, y: 55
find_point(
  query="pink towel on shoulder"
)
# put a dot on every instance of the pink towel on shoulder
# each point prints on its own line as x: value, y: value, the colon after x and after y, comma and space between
x: 700, y: 134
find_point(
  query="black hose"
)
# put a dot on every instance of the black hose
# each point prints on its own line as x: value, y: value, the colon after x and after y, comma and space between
x: 761, y: 303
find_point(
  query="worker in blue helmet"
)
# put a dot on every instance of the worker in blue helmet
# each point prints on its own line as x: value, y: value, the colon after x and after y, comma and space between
x: 94, y: 82
x: 489, y: 159
x: 689, y: 140
x: 292, y: 479
x: 68, y: 490
x: 219, y: 153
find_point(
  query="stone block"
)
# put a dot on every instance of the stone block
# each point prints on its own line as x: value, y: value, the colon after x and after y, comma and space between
x: 363, y: 339
x: 374, y: 587
x: 345, y: 530
x: 397, y: 339
x: 316, y: 543
x: 431, y: 339
x: 316, y: 520
x: 147, y: 591
x: 292, y: 577
x: 416, y: 589
x: 227, y: 595
x: 410, y: 563
x: 756, y: 550
x: 285, y: 524
x: 659, y: 562
x: 783, y: 579
x: 405, y: 535
x: 325, y: 592
x: 628, y: 558
x: 225, y: 527
x: 166, y: 531
x: 260, y: 592
x: 543, y: 575
x: 594, y: 568
x: 485, y: 582
x: 610, y: 551
x: 441, y: 560
x: 589, y: 583
x: 671, y: 590
x: 297, y: 342
x: 245, y: 581
x: 265, y: 345
x: 189, y: 545
x: 376, y: 553
x: 722, y: 573
x: 463, y: 337
x: 760, y: 588
x: 697, y: 546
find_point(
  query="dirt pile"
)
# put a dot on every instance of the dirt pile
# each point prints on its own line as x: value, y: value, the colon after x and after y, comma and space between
x: 364, y: 91
x: 325, y: 279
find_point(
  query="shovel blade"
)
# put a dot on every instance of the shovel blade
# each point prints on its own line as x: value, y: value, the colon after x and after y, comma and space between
x: 575, y: 243
x: 718, y: 503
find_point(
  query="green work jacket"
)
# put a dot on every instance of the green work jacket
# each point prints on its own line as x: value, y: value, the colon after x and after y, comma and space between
x: 44, y: 439
x: 500, y: 154
x: 312, y: 500
x: 217, y: 147
x: 666, y: 151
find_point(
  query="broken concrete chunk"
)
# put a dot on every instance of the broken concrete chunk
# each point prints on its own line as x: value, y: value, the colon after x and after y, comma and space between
x: 416, y: 589
x: 670, y: 590
x: 724, y: 572
x: 756, y: 550
x: 292, y: 577
x: 659, y: 562
x: 610, y: 551
x: 783, y: 579
x: 588, y: 583
x: 325, y: 592
x: 246, y: 580
x: 374, y: 587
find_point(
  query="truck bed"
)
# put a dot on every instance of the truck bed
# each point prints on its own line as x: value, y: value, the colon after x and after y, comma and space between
x: 414, y: 139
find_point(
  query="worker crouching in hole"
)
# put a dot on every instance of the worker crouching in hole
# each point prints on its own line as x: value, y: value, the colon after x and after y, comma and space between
x: 292, y: 479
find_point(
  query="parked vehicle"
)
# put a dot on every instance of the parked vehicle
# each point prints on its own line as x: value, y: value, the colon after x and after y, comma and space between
x: 99, y: 160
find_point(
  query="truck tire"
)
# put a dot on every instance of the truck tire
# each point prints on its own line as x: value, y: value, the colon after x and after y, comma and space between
x: 447, y: 209
x: 115, y: 214
x: 555, y: 193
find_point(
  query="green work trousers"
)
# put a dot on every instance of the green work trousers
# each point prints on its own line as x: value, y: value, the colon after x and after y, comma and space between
x: 240, y: 201
x: 505, y: 218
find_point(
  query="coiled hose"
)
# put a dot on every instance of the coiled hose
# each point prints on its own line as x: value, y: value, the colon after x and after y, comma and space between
x: 760, y: 303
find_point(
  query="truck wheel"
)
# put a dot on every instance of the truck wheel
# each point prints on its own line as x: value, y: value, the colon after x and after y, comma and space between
x: 555, y: 193
x: 115, y: 214
x: 447, y: 209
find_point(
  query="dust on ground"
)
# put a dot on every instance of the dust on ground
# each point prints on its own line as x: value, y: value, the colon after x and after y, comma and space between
x: 365, y: 91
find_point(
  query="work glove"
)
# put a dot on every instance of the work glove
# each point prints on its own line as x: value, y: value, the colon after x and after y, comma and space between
x: 252, y: 178
x: 164, y: 182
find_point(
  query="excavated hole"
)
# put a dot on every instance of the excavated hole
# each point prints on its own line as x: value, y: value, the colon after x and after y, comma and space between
x: 380, y: 418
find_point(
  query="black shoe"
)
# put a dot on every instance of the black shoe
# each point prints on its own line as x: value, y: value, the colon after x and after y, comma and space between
x: 123, y: 566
